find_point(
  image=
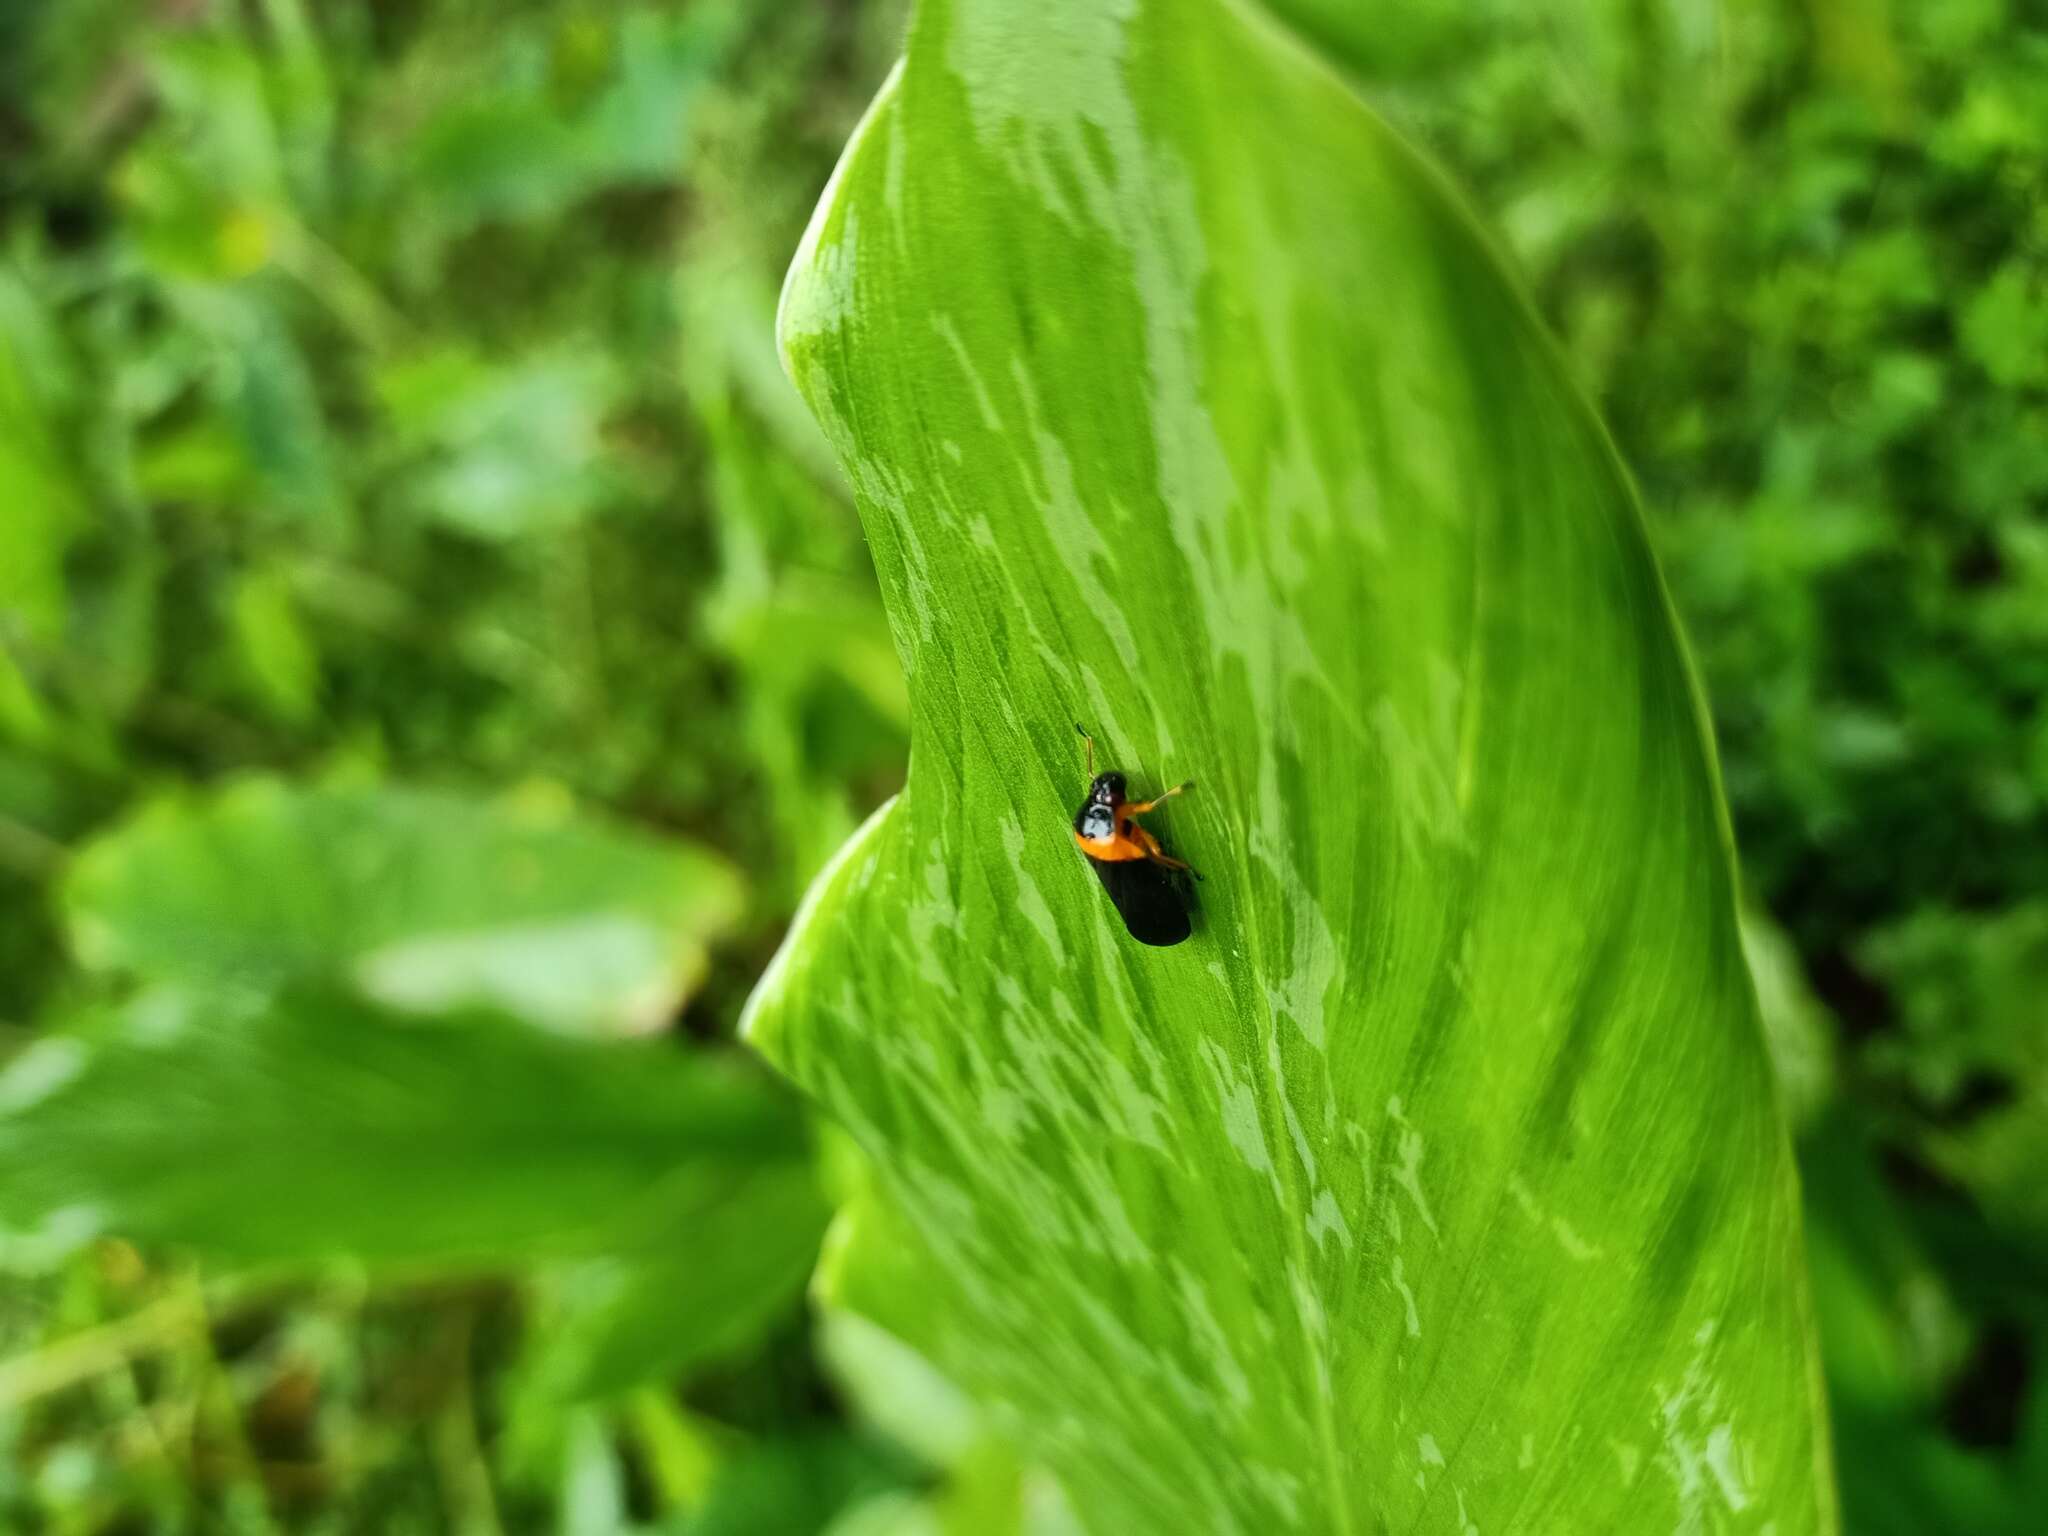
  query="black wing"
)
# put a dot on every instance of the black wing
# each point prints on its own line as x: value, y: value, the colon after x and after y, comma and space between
x: 1147, y: 897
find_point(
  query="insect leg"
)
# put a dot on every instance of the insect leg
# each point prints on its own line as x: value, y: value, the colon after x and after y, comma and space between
x: 1156, y: 799
x: 1157, y: 855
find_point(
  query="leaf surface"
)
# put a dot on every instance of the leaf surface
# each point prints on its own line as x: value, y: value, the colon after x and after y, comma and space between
x: 424, y: 898
x: 1436, y: 1184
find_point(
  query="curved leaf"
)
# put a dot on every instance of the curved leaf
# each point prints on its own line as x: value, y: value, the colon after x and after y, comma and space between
x: 424, y: 898
x: 1436, y: 1184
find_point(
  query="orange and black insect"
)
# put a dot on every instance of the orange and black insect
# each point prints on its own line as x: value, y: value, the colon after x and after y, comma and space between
x: 1143, y: 883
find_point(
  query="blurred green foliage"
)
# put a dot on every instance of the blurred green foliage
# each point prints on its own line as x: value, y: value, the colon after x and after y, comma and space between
x: 390, y: 389
x: 395, y: 473
x: 388, y: 409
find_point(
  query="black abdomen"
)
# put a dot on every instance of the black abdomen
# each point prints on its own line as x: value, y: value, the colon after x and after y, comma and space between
x: 1147, y: 897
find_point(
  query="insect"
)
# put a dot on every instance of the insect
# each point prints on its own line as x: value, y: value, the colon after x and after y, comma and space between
x: 1142, y: 881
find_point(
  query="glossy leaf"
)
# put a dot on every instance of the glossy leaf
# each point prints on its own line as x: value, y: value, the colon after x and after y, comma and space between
x: 424, y: 898
x: 323, y: 1128
x: 1437, y: 1183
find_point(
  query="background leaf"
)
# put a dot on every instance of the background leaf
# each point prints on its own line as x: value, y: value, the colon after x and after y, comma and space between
x: 426, y: 898
x: 1437, y: 1184
x: 325, y: 1128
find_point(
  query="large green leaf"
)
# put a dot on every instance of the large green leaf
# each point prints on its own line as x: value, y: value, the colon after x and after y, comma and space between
x: 424, y: 898
x: 319, y: 1127
x: 1437, y: 1183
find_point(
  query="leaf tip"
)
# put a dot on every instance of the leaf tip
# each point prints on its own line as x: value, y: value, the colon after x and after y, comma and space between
x: 814, y: 289
x: 761, y: 1018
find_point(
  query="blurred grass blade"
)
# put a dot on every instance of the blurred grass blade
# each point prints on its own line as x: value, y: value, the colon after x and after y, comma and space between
x: 425, y: 898
x: 43, y: 507
x: 323, y: 1128
x: 1437, y: 1183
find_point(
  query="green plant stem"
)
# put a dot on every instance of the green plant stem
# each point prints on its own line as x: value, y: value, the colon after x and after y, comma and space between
x: 459, y: 1460
x: 250, y: 1498
x: 79, y: 1357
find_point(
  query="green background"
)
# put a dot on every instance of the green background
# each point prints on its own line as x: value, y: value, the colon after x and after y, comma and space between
x: 388, y: 397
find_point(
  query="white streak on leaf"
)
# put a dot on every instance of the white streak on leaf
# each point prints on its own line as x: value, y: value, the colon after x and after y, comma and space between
x: 1203, y: 1326
x: 984, y: 403
x: 1399, y: 1281
x: 1326, y: 1217
x: 1031, y: 901
x: 1238, y: 1108
x: 1631, y: 1461
x: 1721, y: 1459
x: 1409, y: 1174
